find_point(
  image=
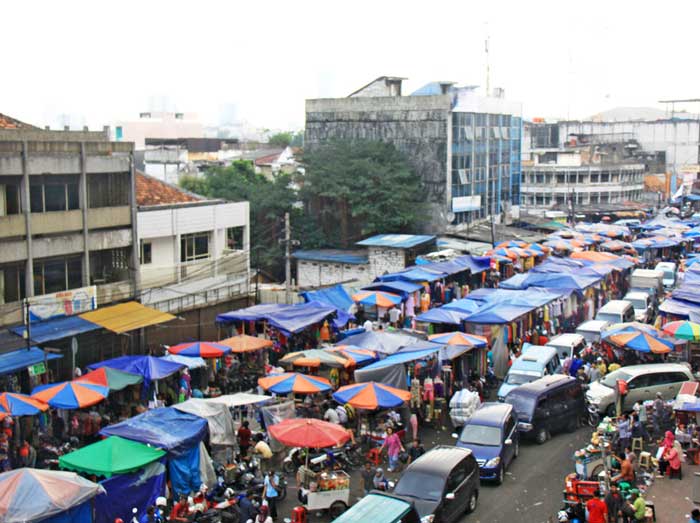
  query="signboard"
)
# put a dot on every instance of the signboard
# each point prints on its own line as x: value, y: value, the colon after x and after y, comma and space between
x: 38, y: 369
x: 466, y: 203
x: 64, y: 303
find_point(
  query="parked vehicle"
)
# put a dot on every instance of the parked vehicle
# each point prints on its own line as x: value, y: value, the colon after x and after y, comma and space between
x: 648, y: 279
x: 567, y: 344
x: 547, y: 405
x: 443, y: 484
x: 536, y: 361
x: 492, y: 436
x: 380, y: 507
x: 641, y: 303
x: 616, y: 311
x: 669, y: 273
x: 643, y: 382
x: 592, y: 330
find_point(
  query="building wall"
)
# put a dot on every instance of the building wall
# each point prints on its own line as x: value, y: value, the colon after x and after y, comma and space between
x: 159, y: 125
x: 320, y: 273
x: 383, y: 260
x: 416, y: 125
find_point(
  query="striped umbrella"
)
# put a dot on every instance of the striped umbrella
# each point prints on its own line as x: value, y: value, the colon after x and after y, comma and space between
x: 371, y: 395
x: 113, y: 379
x: 459, y: 338
x: 316, y: 358
x: 20, y: 405
x: 357, y: 354
x: 377, y: 298
x: 288, y: 382
x: 559, y: 245
x: 201, y: 349
x: 683, y: 330
x: 508, y: 253
x: 641, y: 342
x: 512, y: 243
x: 70, y: 394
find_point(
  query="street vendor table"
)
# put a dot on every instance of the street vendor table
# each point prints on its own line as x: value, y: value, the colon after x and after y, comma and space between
x: 332, y: 492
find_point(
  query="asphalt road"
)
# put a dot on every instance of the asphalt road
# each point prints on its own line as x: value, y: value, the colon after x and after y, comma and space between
x: 531, y: 492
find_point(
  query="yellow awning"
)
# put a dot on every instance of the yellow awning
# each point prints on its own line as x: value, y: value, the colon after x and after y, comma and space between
x: 126, y: 317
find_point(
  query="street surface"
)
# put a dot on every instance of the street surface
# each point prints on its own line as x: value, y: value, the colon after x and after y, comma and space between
x: 532, y: 491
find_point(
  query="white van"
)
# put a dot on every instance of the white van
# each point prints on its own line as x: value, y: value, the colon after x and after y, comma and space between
x: 643, y: 382
x: 536, y: 361
x: 592, y: 329
x: 616, y: 311
x: 567, y: 344
x: 641, y: 303
x: 669, y: 270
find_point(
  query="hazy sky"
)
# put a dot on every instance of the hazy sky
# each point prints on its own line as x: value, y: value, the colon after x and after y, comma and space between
x: 100, y: 62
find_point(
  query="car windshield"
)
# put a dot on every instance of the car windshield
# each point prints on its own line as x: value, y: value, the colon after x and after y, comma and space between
x: 669, y: 275
x: 611, y: 379
x: 612, y: 318
x: 481, y: 435
x: 420, y: 485
x: 523, y: 405
x: 638, y: 304
x: 518, y: 378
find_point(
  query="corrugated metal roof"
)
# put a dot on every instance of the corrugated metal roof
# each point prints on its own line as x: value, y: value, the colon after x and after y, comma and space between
x: 56, y: 329
x: 333, y: 256
x: 398, y: 241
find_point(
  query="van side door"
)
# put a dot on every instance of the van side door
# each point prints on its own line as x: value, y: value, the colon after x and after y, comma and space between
x: 510, y: 433
x: 456, y: 481
x: 639, y: 388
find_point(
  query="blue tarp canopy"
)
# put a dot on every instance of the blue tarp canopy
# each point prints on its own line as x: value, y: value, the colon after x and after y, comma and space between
x: 498, y: 314
x: 681, y: 308
x: 475, y: 264
x: 532, y: 297
x: 558, y: 281
x: 23, y: 358
x: 288, y: 318
x: 335, y: 296
x: 516, y: 281
x: 166, y: 428
x: 464, y: 305
x: 413, y: 275
x: 403, y: 357
x: 401, y: 287
x: 442, y: 315
x: 692, y: 274
x: 56, y: 329
x: 150, y: 367
x: 381, y: 341
x: 688, y: 292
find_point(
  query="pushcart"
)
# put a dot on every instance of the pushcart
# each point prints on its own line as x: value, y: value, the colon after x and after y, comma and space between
x: 332, y: 493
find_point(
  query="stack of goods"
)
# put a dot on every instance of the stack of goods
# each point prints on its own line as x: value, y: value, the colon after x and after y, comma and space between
x: 462, y: 406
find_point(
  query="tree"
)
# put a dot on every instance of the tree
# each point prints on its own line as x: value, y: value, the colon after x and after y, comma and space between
x: 269, y: 200
x: 280, y: 139
x: 355, y: 189
x: 195, y: 184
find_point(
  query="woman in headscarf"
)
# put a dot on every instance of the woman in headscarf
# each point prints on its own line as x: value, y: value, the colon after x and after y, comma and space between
x: 264, y: 515
x: 668, y: 454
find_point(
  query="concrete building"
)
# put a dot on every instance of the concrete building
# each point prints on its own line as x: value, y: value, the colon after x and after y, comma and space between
x: 66, y: 215
x: 588, y: 169
x: 193, y: 252
x: 153, y: 124
x: 465, y: 147
x: 384, y: 253
x: 677, y: 136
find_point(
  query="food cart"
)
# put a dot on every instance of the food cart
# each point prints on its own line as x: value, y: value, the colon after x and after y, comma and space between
x: 331, y: 491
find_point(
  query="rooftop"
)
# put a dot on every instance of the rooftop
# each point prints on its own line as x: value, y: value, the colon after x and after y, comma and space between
x: 397, y: 241
x: 7, y: 122
x: 152, y: 191
x: 333, y: 256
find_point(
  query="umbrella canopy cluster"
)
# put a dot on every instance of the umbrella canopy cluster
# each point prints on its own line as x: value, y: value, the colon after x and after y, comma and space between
x: 113, y: 379
x: 683, y: 330
x: 371, y: 395
x: 339, y: 357
x: 70, y: 394
x: 459, y: 338
x: 201, y: 349
x: 640, y: 341
x: 308, y: 433
x: 20, y: 405
x: 293, y: 382
x: 377, y: 299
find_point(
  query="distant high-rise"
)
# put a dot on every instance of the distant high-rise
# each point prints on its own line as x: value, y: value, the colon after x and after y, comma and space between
x: 465, y: 147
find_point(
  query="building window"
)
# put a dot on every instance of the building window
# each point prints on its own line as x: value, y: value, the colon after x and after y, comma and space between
x: 194, y: 247
x: 53, y: 196
x: 56, y: 275
x: 144, y: 115
x: 145, y: 253
x: 234, y: 238
x: 10, y: 199
x: 12, y: 285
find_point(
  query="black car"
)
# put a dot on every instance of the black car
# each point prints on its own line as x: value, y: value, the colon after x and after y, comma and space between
x: 550, y: 404
x: 443, y: 484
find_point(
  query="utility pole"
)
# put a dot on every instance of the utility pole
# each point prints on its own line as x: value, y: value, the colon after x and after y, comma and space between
x: 288, y: 242
x: 675, y: 138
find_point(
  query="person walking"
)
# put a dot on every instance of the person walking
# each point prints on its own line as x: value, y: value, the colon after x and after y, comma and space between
x: 270, y: 493
x: 614, y: 502
x: 596, y: 509
x: 394, y: 447
x: 244, y: 437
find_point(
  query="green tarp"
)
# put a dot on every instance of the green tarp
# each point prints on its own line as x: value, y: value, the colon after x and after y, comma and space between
x: 110, y: 456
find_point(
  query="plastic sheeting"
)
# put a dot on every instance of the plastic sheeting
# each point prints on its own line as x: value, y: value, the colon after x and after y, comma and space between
x: 273, y: 414
x: 413, y: 275
x: 402, y: 357
x: 141, y: 488
x: 335, y: 296
x: 397, y: 287
x: 393, y: 375
x: 185, y: 476
x: 498, y: 314
x: 166, y: 428
x: 688, y: 292
x: 443, y: 315
x: 191, y: 362
x: 150, y: 367
x: 559, y: 281
x: 680, y: 308
x: 240, y: 399
x: 23, y: 358
x: 221, y: 431
x: 56, y: 329
x: 287, y: 318
x: 110, y: 456
x: 384, y: 342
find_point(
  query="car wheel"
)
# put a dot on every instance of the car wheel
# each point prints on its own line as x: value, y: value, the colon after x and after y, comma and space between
x: 337, y: 508
x: 611, y: 411
x: 471, y: 505
x: 541, y: 436
x: 516, y: 450
x: 288, y: 467
x: 501, y: 475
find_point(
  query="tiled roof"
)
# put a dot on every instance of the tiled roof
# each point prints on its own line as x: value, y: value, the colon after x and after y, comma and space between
x: 151, y: 191
x: 267, y: 160
x: 7, y: 122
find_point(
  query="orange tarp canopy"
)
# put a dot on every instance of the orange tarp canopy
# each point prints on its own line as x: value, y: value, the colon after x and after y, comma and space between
x: 126, y: 317
x: 245, y: 343
x: 594, y: 256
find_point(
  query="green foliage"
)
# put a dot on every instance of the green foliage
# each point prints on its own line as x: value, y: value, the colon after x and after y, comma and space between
x: 297, y: 139
x: 280, y: 139
x: 355, y: 189
x: 195, y: 184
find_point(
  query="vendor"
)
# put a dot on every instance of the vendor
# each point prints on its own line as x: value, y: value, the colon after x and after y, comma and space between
x: 305, y: 476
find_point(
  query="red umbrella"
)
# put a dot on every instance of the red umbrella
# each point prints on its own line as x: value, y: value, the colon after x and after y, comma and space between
x: 309, y: 433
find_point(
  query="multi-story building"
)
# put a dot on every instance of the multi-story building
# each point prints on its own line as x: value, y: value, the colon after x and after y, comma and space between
x: 158, y: 124
x: 66, y: 215
x: 194, y: 252
x: 465, y: 147
x: 588, y: 170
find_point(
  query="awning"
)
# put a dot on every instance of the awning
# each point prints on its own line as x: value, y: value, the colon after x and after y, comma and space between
x: 23, y: 358
x: 402, y: 357
x: 56, y: 329
x: 335, y: 296
x: 240, y: 399
x: 402, y: 287
x: 9, y: 342
x: 126, y: 317
x: 244, y: 343
x: 110, y: 456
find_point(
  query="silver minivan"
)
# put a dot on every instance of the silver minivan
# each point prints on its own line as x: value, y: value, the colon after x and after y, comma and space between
x: 643, y: 382
x: 616, y: 311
